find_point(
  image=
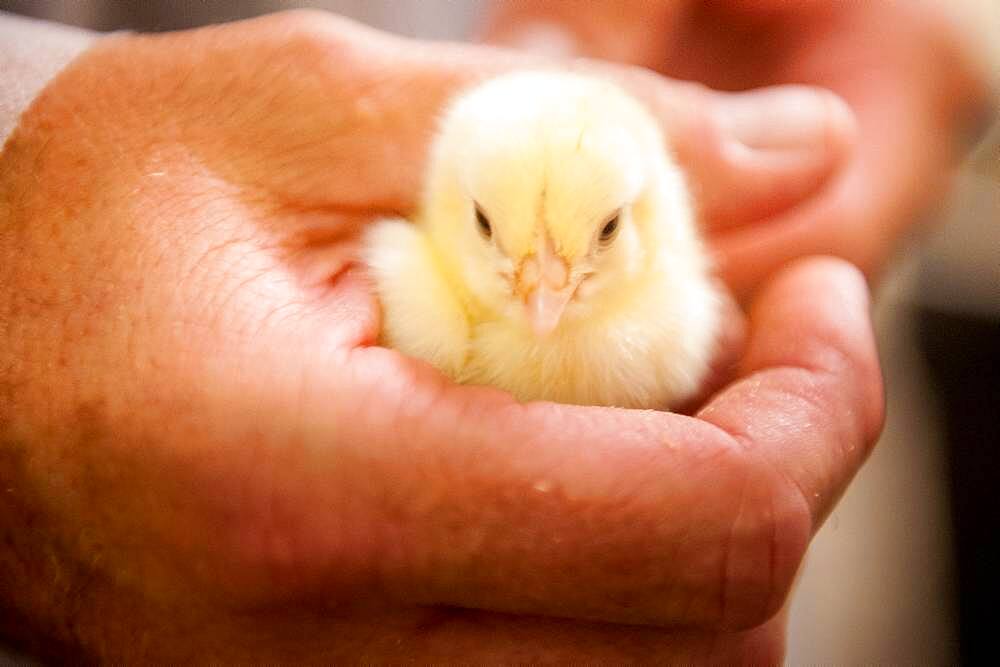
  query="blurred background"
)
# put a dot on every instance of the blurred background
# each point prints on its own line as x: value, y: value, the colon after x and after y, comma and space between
x: 904, y: 570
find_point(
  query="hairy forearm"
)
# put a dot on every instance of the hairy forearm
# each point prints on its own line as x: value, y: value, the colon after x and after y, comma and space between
x: 31, y: 53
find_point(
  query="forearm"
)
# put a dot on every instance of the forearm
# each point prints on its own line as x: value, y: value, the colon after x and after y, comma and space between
x: 31, y: 53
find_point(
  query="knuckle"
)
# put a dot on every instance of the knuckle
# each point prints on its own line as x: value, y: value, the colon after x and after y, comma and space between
x: 309, y: 32
x: 299, y: 21
x: 762, y: 552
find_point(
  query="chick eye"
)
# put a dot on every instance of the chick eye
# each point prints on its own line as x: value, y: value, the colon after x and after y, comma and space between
x: 610, y: 228
x: 483, y: 223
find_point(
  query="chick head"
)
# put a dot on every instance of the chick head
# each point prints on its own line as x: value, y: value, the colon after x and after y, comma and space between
x: 540, y: 194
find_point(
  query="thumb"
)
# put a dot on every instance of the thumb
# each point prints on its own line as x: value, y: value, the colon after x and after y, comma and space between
x: 754, y: 154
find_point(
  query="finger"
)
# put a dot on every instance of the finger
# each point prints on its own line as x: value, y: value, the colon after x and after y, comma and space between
x: 847, y: 221
x: 751, y: 155
x: 454, y: 635
x: 920, y: 87
x: 747, y: 155
x: 779, y: 145
x: 409, y: 487
x: 822, y: 366
x: 865, y: 208
x: 441, y: 635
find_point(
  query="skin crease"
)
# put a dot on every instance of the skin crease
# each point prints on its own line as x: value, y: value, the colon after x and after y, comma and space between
x: 918, y: 91
x: 203, y: 458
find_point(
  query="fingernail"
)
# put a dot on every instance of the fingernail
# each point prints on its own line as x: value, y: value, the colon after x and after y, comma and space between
x: 787, y: 118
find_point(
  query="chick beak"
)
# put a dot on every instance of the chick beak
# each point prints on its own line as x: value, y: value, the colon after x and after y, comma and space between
x: 545, y: 286
x: 545, y: 308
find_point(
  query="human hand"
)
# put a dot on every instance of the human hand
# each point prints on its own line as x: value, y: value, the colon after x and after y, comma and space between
x: 205, y: 457
x: 906, y: 70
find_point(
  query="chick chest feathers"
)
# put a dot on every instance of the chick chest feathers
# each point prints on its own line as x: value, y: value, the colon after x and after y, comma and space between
x: 422, y: 314
x: 555, y: 253
x: 650, y: 352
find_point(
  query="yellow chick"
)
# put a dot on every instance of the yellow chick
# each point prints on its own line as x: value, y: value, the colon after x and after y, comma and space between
x: 555, y: 254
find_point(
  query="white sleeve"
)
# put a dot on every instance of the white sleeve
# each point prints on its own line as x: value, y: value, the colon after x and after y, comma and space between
x: 31, y: 53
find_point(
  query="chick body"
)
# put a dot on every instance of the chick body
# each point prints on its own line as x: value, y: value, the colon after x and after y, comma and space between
x: 527, y: 175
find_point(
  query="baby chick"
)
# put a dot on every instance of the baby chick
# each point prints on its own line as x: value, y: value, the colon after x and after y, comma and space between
x: 555, y: 254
